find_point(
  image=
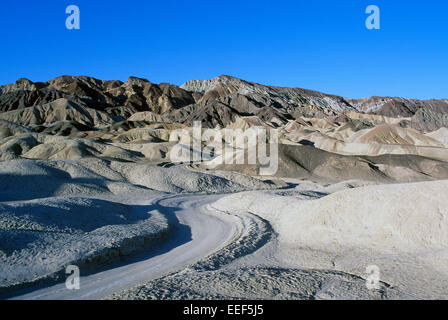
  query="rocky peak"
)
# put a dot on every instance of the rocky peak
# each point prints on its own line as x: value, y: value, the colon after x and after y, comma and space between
x: 135, y: 81
x: 20, y: 84
x: 203, y: 86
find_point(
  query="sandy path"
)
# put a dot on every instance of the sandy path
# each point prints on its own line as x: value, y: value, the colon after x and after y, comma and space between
x: 191, y: 241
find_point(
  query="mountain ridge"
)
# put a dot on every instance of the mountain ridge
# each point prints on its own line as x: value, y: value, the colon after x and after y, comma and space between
x: 218, y: 101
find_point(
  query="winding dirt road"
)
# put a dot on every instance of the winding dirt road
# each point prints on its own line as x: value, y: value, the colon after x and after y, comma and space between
x: 198, y: 233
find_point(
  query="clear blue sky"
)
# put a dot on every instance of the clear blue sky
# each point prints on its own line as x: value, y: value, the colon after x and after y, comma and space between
x: 321, y: 45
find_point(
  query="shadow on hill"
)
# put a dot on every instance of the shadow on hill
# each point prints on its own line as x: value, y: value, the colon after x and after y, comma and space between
x: 177, y: 235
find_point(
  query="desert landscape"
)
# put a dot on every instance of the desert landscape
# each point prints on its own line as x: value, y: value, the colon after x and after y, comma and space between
x: 87, y: 178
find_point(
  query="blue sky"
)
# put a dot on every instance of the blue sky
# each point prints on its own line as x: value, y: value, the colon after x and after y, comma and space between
x: 320, y: 45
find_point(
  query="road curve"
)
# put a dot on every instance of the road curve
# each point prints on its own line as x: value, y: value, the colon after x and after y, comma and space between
x: 191, y: 241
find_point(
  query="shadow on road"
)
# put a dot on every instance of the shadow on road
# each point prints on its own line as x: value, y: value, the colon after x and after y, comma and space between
x: 178, y: 235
